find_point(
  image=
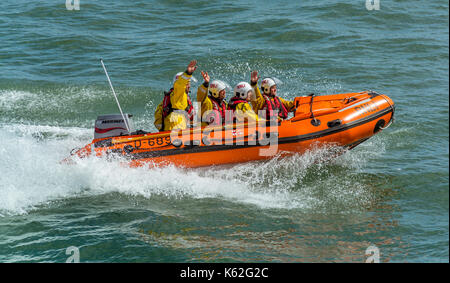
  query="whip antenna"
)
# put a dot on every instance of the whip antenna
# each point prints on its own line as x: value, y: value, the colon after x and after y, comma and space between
x: 115, y: 96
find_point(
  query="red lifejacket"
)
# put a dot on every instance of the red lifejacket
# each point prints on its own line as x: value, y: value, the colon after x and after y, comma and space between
x: 219, y: 108
x: 234, y: 102
x: 274, y: 105
x: 167, y: 106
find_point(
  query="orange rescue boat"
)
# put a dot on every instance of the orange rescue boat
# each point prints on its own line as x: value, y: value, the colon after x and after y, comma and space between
x: 344, y: 120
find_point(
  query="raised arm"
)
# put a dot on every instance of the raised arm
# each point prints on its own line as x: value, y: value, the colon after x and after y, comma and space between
x: 179, y: 95
x: 258, y: 101
x: 202, y: 91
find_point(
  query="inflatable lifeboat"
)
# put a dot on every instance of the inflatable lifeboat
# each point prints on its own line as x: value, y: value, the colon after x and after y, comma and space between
x: 344, y: 120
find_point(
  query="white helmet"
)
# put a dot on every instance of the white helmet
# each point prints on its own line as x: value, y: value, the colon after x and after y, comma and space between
x: 266, y: 84
x: 175, y: 78
x: 215, y: 87
x: 241, y: 90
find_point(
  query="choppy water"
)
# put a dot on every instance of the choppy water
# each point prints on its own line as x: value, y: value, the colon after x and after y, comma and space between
x: 391, y: 191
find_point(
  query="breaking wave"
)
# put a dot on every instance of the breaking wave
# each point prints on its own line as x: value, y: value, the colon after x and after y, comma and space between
x: 32, y: 176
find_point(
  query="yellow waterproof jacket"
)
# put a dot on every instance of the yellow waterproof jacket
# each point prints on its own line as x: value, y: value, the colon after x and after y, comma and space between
x: 205, y: 102
x: 179, y: 101
x: 176, y: 121
x: 243, y: 111
x: 158, y: 118
x: 259, y: 102
x: 179, y: 97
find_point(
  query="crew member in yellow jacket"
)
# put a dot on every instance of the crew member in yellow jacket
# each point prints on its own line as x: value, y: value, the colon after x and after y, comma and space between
x: 268, y: 101
x: 176, y: 110
x: 242, y: 110
x: 212, y: 99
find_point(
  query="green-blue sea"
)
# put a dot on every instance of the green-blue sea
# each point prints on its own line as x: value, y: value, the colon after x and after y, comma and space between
x: 391, y: 192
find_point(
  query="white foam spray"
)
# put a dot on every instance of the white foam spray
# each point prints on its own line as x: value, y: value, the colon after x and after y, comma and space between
x: 32, y: 175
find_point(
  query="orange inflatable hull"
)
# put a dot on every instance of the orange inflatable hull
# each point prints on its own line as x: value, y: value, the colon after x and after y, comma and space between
x: 343, y: 120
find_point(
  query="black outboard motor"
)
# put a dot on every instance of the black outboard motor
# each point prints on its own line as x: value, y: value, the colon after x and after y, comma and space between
x: 112, y: 125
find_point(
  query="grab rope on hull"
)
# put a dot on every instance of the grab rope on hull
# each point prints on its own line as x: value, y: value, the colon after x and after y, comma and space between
x: 393, y: 110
